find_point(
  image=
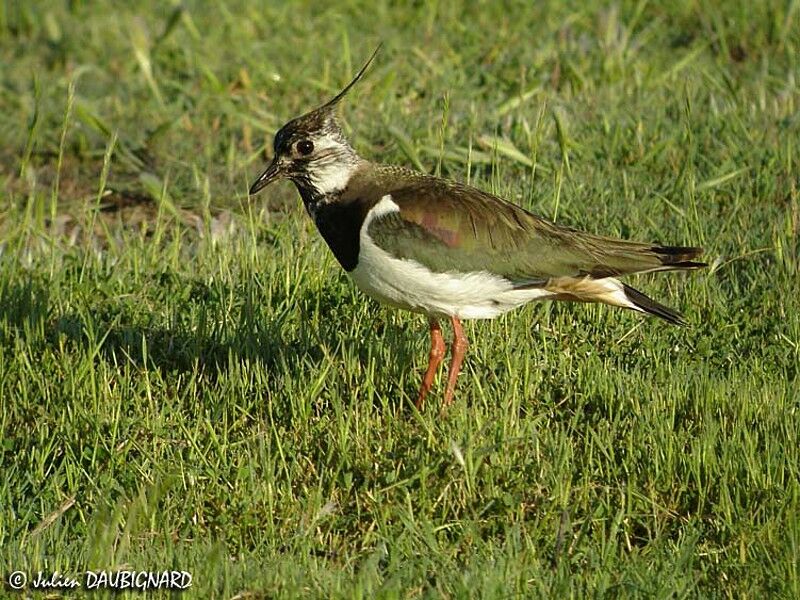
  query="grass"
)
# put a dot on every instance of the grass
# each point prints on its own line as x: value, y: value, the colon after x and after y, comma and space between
x: 188, y: 381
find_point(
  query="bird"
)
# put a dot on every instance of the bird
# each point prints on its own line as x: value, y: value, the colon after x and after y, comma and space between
x: 448, y: 250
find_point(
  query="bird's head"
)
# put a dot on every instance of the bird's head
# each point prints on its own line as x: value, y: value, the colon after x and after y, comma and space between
x: 312, y: 150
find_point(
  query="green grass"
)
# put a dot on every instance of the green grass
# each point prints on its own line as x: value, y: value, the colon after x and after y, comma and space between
x: 188, y: 380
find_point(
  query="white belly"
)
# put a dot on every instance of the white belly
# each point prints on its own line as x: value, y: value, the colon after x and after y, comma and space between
x: 408, y: 284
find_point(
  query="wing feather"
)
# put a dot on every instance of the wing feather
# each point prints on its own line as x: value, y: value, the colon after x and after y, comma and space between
x: 447, y: 226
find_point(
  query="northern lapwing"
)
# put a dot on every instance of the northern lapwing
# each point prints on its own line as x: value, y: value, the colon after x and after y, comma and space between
x: 449, y: 250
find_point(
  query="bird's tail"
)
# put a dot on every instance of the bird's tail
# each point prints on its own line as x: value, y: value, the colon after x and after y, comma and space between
x: 622, y: 257
x: 608, y: 290
x: 678, y: 257
x: 646, y: 304
x: 601, y: 260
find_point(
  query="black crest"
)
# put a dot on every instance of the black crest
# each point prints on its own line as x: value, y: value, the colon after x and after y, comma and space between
x: 320, y: 120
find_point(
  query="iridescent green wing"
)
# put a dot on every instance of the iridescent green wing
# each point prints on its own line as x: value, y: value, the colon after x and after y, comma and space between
x: 449, y: 227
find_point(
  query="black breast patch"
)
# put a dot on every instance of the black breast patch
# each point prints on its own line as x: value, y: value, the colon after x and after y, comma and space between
x: 340, y: 225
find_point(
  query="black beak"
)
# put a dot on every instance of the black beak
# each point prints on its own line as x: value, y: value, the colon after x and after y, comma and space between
x: 273, y: 172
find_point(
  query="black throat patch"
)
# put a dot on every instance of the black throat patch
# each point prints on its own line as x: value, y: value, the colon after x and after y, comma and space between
x: 340, y: 225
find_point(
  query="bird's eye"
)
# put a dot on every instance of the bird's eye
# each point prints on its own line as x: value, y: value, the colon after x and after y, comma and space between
x: 305, y: 147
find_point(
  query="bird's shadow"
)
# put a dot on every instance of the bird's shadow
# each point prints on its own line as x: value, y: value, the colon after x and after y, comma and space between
x: 273, y: 343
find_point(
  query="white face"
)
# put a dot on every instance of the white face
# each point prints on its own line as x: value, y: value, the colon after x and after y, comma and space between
x: 329, y: 165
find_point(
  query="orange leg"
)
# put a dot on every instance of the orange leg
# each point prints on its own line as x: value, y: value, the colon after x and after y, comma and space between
x: 458, y: 350
x: 435, y: 359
